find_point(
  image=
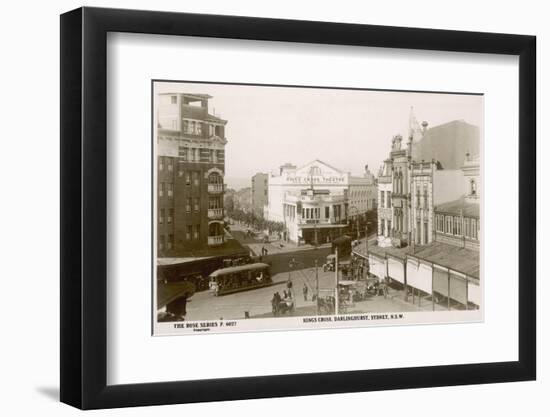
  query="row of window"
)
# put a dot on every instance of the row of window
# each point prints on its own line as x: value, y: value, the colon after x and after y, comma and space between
x: 457, y: 226
x: 188, y: 154
x: 398, y: 182
x: 166, y: 242
x: 422, y: 195
x: 193, y: 232
x: 314, y: 213
x: 385, y: 199
x: 166, y: 215
x: 193, y: 203
x: 166, y: 189
x: 165, y: 162
x: 194, y: 127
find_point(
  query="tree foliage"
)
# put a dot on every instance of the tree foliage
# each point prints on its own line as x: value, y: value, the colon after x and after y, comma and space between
x: 254, y: 221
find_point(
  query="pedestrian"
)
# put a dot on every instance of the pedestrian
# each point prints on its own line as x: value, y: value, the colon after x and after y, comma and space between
x: 274, y: 304
x: 285, y: 294
x: 305, y: 292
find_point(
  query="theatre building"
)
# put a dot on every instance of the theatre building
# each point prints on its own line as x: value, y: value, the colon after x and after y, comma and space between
x: 190, y: 175
x: 314, y: 201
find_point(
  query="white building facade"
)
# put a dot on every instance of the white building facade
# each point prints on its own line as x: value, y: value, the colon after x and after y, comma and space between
x: 314, y: 201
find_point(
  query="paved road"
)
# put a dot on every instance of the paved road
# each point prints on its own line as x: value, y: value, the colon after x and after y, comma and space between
x: 205, y: 306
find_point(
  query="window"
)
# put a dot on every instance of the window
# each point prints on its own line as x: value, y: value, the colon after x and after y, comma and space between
x: 426, y: 233
x: 196, y: 204
x: 388, y: 199
x: 197, y: 231
x: 161, y: 163
x: 182, y: 152
x: 382, y: 199
x: 214, y: 203
x: 170, y: 164
x: 198, y: 128
x: 161, y: 243
x: 188, y: 232
x: 440, y: 223
x: 161, y: 189
x: 473, y: 187
x: 170, y: 189
x: 426, y: 196
x: 170, y: 242
x: 173, y: 99
x: 170, y: 216
x: 327, y: 212
x: 161, y: 216
x: 195, y: 178
x: 185, y: 126
x: 188, y: 205
x: 448, y: 224
x: 187, y: 178
x: 475, y: 229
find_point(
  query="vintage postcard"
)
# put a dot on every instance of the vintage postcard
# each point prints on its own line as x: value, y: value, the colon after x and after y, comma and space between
x: 292, y: 207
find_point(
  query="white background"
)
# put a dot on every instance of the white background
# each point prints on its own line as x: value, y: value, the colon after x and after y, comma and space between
x: 29, y: 213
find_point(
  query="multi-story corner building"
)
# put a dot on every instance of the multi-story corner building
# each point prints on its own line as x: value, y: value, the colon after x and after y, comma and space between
x: 314, y: 201
x: 190, y: 175
x: 259, y: 193
x: 410, y: 187
x: 428, y: 215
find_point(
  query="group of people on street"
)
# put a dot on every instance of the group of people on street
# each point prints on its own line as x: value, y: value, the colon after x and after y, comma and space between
x: 282, y: 304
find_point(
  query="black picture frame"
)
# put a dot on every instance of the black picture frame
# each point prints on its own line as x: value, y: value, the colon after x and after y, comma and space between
x: 84, y: 207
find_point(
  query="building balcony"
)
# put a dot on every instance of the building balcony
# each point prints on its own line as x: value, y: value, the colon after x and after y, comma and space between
x: 215, y: 213
x: 215, y: 188
x: 215, y: 240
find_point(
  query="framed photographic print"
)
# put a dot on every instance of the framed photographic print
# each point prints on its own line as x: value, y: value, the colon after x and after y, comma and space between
x: 258, y: 207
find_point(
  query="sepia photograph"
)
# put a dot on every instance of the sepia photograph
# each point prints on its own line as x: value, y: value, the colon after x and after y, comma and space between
x: 303, y: 207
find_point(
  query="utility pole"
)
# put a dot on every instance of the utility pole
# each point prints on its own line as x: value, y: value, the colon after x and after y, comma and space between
x: 367, y: 265
x: 316, y: 287
x: 315, y: 241
x: 337, y: 298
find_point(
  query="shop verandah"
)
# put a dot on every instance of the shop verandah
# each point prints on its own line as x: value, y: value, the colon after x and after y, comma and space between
x: 437, y: 273
x: 321, y: 233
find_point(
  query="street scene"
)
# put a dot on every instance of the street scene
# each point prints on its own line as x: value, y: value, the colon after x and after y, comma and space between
x: 302, y: 202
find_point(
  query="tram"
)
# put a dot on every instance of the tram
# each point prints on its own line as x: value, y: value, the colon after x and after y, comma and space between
x: 240, y: 278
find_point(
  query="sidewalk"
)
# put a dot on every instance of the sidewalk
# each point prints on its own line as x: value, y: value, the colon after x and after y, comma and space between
x: 278, y: 246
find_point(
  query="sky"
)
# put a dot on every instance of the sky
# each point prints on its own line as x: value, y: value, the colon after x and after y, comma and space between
x: 348, y: 129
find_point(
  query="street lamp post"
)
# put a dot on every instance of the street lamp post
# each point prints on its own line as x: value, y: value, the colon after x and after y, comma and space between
x: 337, y: 298
x: 316, y: 287
x: 315, y: 241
